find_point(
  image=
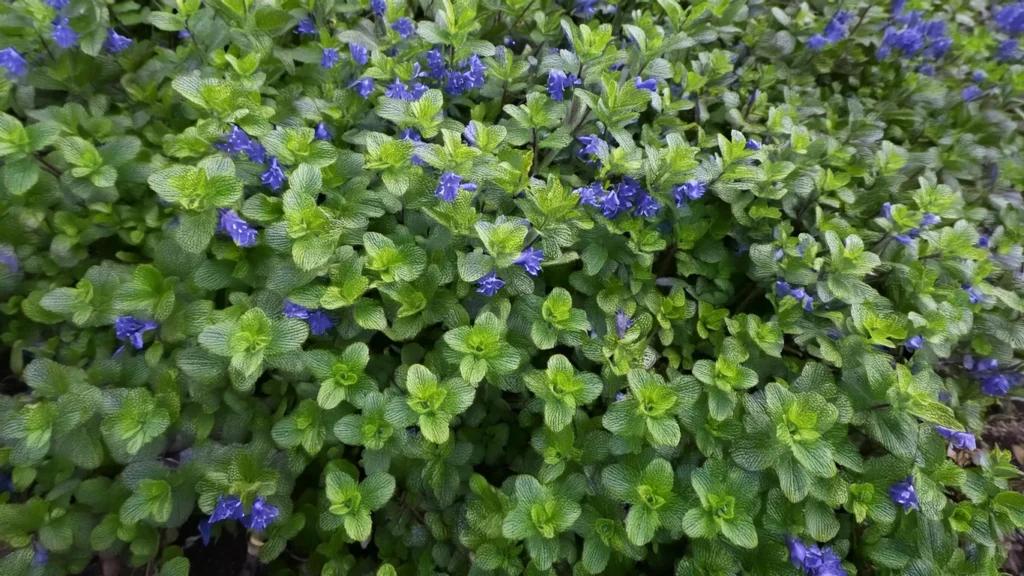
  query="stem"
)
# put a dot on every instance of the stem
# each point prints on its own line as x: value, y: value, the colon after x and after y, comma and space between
x: 199, y: 50
x: 534, y: 149
x: 696, y: 108
x: 521, y: 14
x: 47, y: 46
x: 49, y: 167
x: 551, y: 155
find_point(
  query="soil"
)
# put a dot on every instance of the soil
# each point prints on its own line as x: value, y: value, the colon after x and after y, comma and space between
x: 1004, y: 428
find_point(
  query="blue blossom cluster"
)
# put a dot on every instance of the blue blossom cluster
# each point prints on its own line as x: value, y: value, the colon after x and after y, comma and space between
x: 489, y: 284
x: 130, y: 330
x: 994, y: 382
x: 450, y: 184
x: 593, y: 148
x: 469, y: 74
x: 530, y: 260
x: 689, y: 190
x: 910, y: 35
x: 260, y: 515
x: 783, y: 289
x: 13, y: 62
x: 814, y: 560
x: 622, y: 323
x: 835, y: 30
x: 625, y: 197
x: 318, y: 320
x: 236, y: 142
x: 9, y: 258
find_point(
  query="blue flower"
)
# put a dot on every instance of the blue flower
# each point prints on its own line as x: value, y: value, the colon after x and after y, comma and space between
x: 650, y: 85
x: 58, y: 4
x: 835, y: 30
x: 130, y: 331
x: 904, y: 239
x: 261, y: 515
x: 974, y: 295
x: 306, y: 26
x: 475, y: 73
x: 611, y: 205
x: 63, y: 34
x: 41, y: 555
x: 449, y: 186
x: 903, y: 493
x: 205, y: 531
x: 115, y: 42
x: 364, y: 86
x: 930, y: 219
x: 404, y: 27
x: 274, y: 176
x: 782, y: 288
x: 959, y: 440
x: 320, y: 132
x: 621, y: 395
x: 817, y: 42
x: 379, y: 7
x: 319, y: 322
x: 971, y: 93
x: 1000, y: 384
x: 983, y: 241
x: 590, y: 195
x: 779, y: 254
x: 646, y: 206
x: 622, y: 323
x: 239, y: 230
x: 490, y: 284
x: 752, y: 144
x: 938, y: 48
x: 914, y: 342
x: 530, y: 260
x: 412, y: 135
x: 184, y: 34
x: 359, y: 54
x: 469, y: 134
x: 927, y: 70
x: 1007, y: 50
x: 689, y: 190
x: 227, y: 508
x: 256, y: 152
x: 398, y: 90
x: 435, y: 64
x: 979, y: 76
x: 293, y: 310
x: 13, y: 62
x: 558, y: 81
x: 797, y: 551
x: 585, y: 8
x: 593, y: 149
x: 235, y: 142
x: 329, y: 58
x: 416, y: 91
x: 9, y: 258
x: 1010, y: 19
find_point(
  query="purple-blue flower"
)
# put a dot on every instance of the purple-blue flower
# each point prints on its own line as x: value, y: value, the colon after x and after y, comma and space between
x: 364, y: 86
x: 130, y: 331
x: 205, y: 529
x: 319, y: 322
x: 58, y: 4
x: 329, y: 58
x: 689, y: 190
x: 938, y: 48
x: 650, y: 85
x: 359, y: 53
x: 646, y: 206
x: 240, y: 231
x: 40, y: 555
x: 585, y: 8
x: 404, y: 27
x: 752, y: 144
x: 274, y: 176
x: 959, y: 440
x: 292, y: 310
x: 903, y: 493
x: 593, y: 148
x: 611, y: 205
x: 412, y: 135
x: 449, y: 186
x: 469, y: 134
x: 490, y: 284
x: 904, y: 239
x: 256, y: 152
x: 530, y: 259
x: 971, y: 93
x: 9, y: 258
x: 814, y: 560
x: 930, y: 219
x: 974, y: 295
x: 379, y: 7
x: 63, y: 34
x: 306, y: 26
x: 260, y: 516
x: 887, y: 211
x: 227, y: 508
x: 1007, y: 50
x: 398, y: 90
x: 999, y: 384
x: 983, y: 241
x: 817, y: 42
x: 558, y: 81
x: 622, y: 323
x: 115, y: 42
x: 13, y: 62
x: 914, y: 342
x: 320, y: 132
x: 235, y: 142
x: 590, y: 195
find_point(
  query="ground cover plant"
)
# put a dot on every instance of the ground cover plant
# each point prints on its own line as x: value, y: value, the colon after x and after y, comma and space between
x: 485, y: 287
